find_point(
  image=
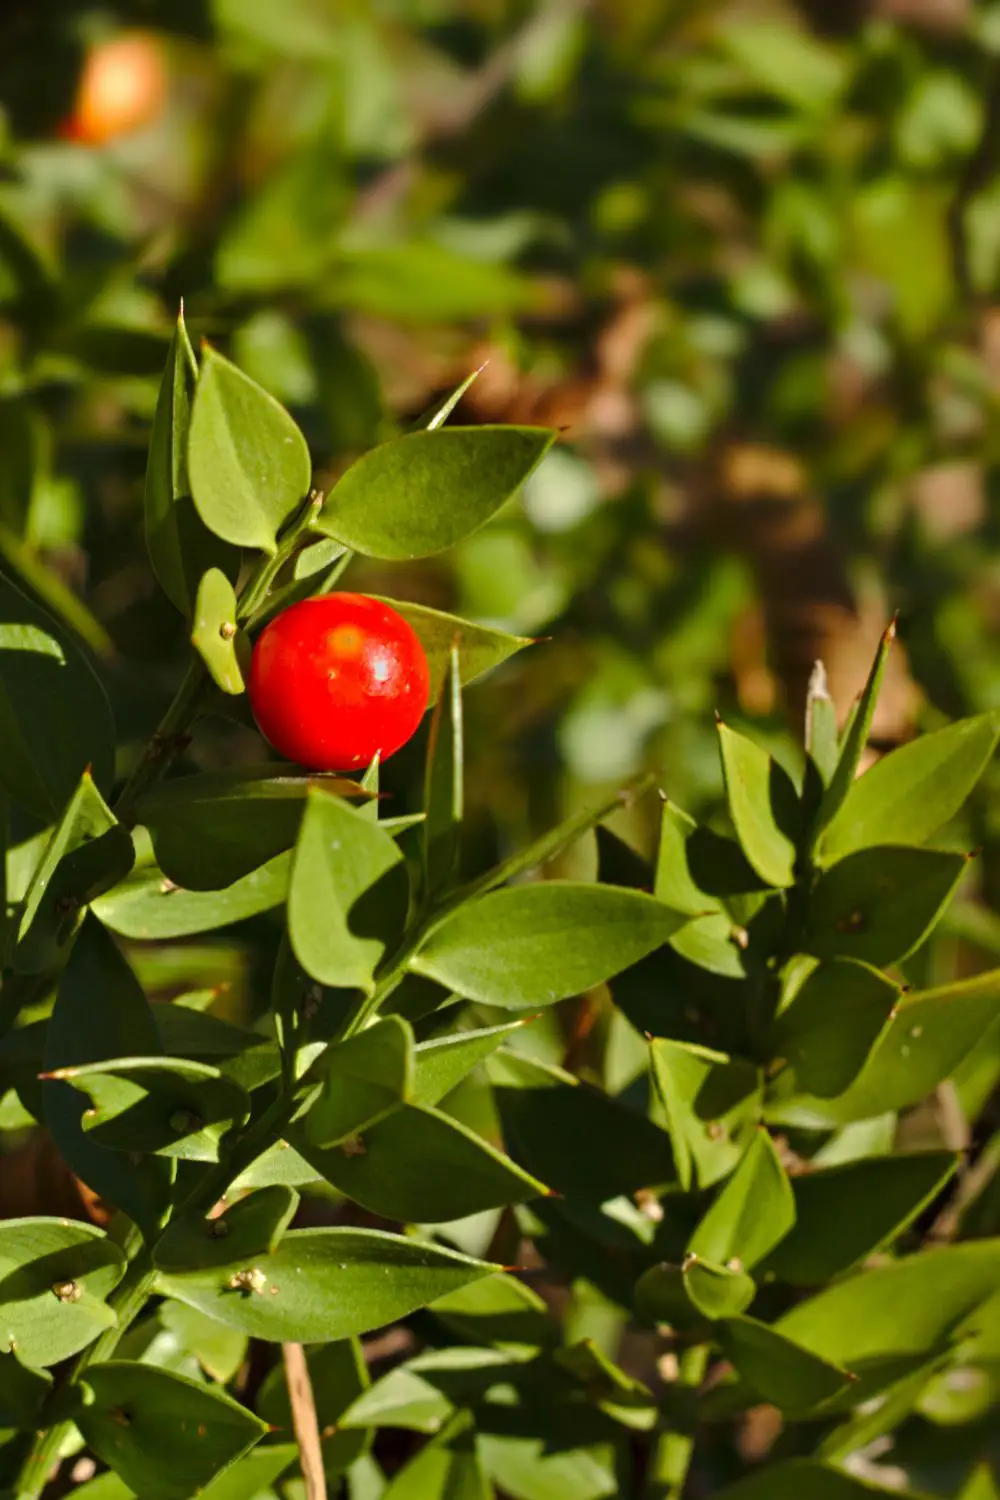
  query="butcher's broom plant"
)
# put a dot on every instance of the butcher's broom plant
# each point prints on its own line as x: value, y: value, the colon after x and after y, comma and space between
x: 590, y: 1280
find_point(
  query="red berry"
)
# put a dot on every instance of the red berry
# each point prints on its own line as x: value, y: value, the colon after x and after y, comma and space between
x: 337, y: 680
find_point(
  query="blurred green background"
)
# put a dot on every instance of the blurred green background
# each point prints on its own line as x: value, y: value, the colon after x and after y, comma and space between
x: 744, y: 255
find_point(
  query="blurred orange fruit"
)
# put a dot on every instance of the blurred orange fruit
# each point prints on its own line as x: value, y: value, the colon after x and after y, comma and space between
x: 122, y: 87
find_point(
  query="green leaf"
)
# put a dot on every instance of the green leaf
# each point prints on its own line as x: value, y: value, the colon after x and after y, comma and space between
x: 553, y: 842
x: 348, y: 896
x: 710, y: 1103
x: 326, y: 1284
x: 779, y: 1370
x: 423, y: 492
x: 364, y: 1077
x: 443, y: 1062
x: 87, y: 852
x: 908, y: 1307
x: 211, y: 830
x: 100, y: 1008
x: 55, y: 722
x: 981, y: 1485
x: 180, y: 548
x: 878, y: 904
x: 801, y: 1477
x: 534, y: 944
x: 570, y: 1459
x: 223, y: 648
x: 443, y: 784
x: 250, y: 1228
x: 22, y: 1392
x: 480, y: 648
x: 709, y: 940
x: 253, y: 1475
x: 924, y: 1041
x: 821, y: 727
x: 909, y: 794
x: 438, y: 414
x: 171, y: 1107
x: 248, y: 462
x: 762, y: 805
x: 498, y: 1310
x: 832, y: 1023
x: 151, y: 907
x: 419, y: 1166
x: 752, y: 1213
x: 338, y: 1375
x: 166, y: 1436
x: 220, y: 1351
x: 546, y: 1114
x: 685, y: 1295
x: 54, y: 1278
x: 446, y: 1468
x: 785, y: 61
x: 855, y: 738
x: 845, y: 1213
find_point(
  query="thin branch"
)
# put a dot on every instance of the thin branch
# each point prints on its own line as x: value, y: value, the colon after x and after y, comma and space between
x: 304, y: 1420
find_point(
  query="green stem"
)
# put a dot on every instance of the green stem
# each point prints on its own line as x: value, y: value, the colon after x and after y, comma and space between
x: 259, y: 583
x: 168, y: 739
x: 673, y: 1451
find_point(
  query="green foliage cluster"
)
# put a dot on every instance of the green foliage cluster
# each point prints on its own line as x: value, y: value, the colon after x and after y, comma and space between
x: 744, y: 1161
x: 739, y: 1200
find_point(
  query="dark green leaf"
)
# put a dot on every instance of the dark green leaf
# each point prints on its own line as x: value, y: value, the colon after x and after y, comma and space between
x: 164, y: 1435
x: 855, y: 738
x: 425, y: 491
x: 711, y: 1103
x: 534, y: 944
x: 878, y: 904
x: 846, y: 1212
x: 364, y: 1077
x: 779, y: 1370
x: 752, y: 1213
x: 88, y: 852
x: 22, y: 1392
x: 832, y: 1023
x: 419, y: 1166
x: 685, y: 1295
x: 55, y: 722
x: 348, y: 895
x: 326, y: 1284
x: 923, y: 1043
x: 907, y: 795
x: 54, y: 1278
x: 99, y: 1009
x: 172, y: 1107
x: 248, y: 463
x: 149, y: 906
x: 338, y: 1375
x: 443, y: 784
x: 180, y: 548
x: 250, y: 1228
x: 546, y: 1114
x: 762, y: 805
x: 211, y: 830
x: 710, y: 939
x: 224, y: 649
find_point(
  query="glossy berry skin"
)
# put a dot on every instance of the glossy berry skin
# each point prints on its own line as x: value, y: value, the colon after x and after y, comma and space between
x: 338, y: 680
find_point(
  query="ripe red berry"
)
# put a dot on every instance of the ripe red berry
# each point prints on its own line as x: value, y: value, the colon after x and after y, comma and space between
x: 337, y: 680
